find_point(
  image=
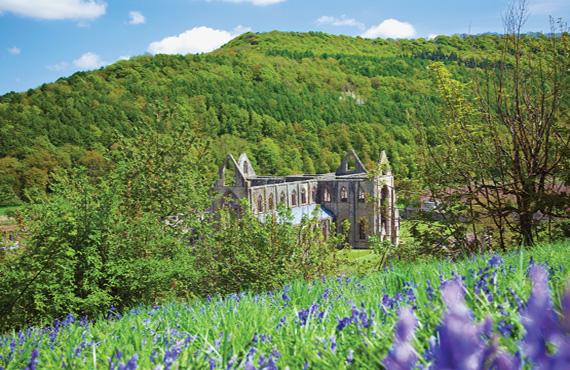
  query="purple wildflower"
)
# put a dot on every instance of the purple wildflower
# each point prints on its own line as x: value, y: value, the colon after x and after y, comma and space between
x: 33, y: 360
x: 333, y: 343
x: 429, y: 290
x: 131, y: 364
x: 350, y: 357
x: 402, y: 355
x: 231, y: 362
x: 460, y: 345
x: 542, y: 326
x: 342, y: 323
x: 495, y: 261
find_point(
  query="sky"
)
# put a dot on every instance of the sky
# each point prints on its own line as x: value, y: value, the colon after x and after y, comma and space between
x: 43, y: 40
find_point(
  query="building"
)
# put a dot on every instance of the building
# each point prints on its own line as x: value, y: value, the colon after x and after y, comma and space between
x: 366, y: 199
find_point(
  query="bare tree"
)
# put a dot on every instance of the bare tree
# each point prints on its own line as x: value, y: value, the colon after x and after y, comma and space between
x: 507, y: 142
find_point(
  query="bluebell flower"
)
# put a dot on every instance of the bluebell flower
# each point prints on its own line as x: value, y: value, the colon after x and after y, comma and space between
x: 342, y: 323
x: 231, y: 362
x: 495, y: 261
x: 429, y: 290
x: 542, y: 325
x: 402, y: 355
x: 333, y: 343
x: 131, y: 364
x: 33, y: 363
x: 350, y: 357
x: 505, y: 328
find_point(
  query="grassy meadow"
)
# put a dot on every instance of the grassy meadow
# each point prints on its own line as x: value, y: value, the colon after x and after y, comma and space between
x: 341, y: 322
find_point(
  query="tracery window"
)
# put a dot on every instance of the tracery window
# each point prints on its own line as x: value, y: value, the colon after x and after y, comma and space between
x: 326, y: 195
x: 361, y: 196
x: 270, y: 202
x: 294, y: 198
x: 343, y: 194
x: 362, y: 229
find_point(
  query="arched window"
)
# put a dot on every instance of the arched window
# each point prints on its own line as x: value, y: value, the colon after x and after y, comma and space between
x: 259, y: 203
x: 362, y: 229
x: 270, y: 202
x: 245, y: 168
x: 294, y: 198
x: 343, y: 194
x: 384, y: 211
x: 283, y: 198
x: 303, y: 196
x: 326, y: 195
x: 361, y: 196
x: 314, y: 195
x: 384, y: 194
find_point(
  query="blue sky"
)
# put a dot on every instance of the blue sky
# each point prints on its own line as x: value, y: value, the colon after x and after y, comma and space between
x: 43, y: 40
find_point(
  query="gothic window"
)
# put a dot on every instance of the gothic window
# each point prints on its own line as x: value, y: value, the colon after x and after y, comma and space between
x: 270, y: 202
x: 259, y: 203
x: 384, y: 211
x: 294, y: 198
x: 326, y: 195
x: 283, y: 198
x: 362, y: 229
x: 343, y: 194
x: 245, y: 168
x: 303, y: 196
x: 361, y: 196
x: 314, y: 195
x: 384, y: 194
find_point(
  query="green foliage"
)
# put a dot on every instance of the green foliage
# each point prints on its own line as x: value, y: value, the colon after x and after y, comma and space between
x: 284, y: 98
x: 141, y: 233
x: 97, y: 242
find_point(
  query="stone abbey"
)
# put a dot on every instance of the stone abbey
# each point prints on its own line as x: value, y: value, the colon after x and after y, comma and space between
x: 367, y: 199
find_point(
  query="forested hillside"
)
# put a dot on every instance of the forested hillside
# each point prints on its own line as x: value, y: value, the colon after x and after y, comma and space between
x: 293, y: 101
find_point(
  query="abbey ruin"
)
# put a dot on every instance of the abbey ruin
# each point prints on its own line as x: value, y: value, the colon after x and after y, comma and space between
x: 366, y: 199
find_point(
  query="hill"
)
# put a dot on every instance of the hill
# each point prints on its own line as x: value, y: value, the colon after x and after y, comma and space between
x: 293, y: 101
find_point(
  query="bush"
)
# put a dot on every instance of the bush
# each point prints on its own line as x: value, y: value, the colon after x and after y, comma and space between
x: 96, y: 242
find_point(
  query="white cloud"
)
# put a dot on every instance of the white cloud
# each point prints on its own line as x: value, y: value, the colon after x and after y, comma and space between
x: 58, y: 66
x: 124, y: 57
x: 15, y: 50
x: 342, y: 21
x: 89, y: 60
x: 432, y: 36
x: 390, y: 28
x: 136, y: 17
x: 55, y: 9
x: 253, y: 2
x: 197, y: 40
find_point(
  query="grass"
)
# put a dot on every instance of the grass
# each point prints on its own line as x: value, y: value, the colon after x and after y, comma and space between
x: 296, y: 325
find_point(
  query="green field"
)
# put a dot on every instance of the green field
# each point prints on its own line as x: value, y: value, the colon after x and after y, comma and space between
x: 297, y: 326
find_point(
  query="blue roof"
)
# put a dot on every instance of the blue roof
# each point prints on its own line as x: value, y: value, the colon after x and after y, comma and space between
x: 305, y: 210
